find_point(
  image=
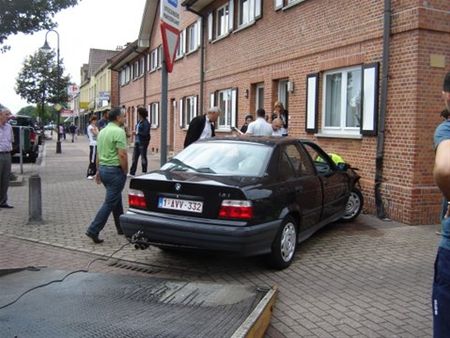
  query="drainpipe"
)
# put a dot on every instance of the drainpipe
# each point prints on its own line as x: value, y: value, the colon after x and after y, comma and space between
x: 202, y: 56
x: 383, y: 106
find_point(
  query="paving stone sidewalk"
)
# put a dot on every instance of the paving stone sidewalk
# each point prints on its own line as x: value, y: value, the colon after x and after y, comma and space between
x: 364, y: 279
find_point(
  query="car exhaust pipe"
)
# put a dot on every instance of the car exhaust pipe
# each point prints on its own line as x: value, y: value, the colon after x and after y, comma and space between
x: 140, y: 241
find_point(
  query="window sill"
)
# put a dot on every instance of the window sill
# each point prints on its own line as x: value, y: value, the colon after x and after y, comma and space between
x: 192, y: 51
x: 152, y: 70
x: 242, y: 27
x: 154, y: 127
x: 292, y: 4
x: 223, y: 130
x: 220, y: 37
x: 344, y: 136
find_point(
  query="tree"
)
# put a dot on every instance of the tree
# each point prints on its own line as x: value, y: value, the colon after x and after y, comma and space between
x: 39, y: 80
x: 24, y: 16
x: 48, y: 115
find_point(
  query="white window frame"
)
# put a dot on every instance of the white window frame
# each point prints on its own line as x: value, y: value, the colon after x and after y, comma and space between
x: 153, y: 109
x: 257, y: 95
x: 142, y: 66
x: 149, y: 61
x: 342, y: 129
x: 229, y: 109
x: 189, y: 110
x: 127, y: 74
x: 250, y: 17
x: 191, y: 38
x: 154, y: 59
x: 181, y: 45
x: 222, y: 31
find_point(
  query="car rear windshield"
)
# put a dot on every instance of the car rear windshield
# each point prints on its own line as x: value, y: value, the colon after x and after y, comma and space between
x: 222, y: 158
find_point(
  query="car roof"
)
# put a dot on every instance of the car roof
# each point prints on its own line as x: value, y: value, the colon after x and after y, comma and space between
x: 266, y: 140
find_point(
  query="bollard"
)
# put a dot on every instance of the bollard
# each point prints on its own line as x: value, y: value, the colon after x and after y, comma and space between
x: 34, y: 199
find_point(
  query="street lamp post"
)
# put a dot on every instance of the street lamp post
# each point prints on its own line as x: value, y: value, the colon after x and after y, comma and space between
x: 46, y: 47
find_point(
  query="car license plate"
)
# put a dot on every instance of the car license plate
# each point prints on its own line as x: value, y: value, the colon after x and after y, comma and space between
x: 178, y: 204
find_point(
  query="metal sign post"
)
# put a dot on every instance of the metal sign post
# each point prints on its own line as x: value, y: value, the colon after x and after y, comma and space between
x: 21, y: 145
x: 170, y: 23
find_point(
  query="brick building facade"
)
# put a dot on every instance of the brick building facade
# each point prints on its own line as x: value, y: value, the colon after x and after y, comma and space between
x: 324, y: 60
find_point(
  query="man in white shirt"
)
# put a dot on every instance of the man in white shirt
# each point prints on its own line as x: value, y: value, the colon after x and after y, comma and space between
x: 260, y: 127
x: 202, y: 126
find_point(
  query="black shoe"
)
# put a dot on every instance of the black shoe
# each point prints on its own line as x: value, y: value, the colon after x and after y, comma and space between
x: 94, y: 238
x: 6, y: 206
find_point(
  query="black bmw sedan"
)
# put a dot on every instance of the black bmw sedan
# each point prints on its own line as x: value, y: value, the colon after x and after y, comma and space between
x: 243, y: 195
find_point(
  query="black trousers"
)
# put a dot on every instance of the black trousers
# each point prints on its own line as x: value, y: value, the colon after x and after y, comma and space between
x: 92, y: 169
x: 140, y: 149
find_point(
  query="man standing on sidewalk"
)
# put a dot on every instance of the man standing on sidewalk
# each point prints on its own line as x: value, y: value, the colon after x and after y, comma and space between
x: 6, y: 140
x: 441, y: 283
x: 112, y: 164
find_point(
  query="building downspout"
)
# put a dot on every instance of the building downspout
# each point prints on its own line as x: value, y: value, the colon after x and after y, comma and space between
x: 202, y: 57
x: 383, y: 107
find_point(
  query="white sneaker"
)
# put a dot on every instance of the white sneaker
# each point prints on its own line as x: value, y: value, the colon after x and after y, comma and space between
x: 90, y: 177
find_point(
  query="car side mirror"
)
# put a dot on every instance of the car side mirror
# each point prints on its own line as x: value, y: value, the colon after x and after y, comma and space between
x: 342, y: 166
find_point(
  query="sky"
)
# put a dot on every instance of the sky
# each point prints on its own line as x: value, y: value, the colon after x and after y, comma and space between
x: 100, y: 24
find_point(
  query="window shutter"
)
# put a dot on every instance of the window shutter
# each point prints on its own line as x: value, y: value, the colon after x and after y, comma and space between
x: 258, y: 9
x: 251, y: 5
x: 157, y: 114
x: 180, y: 109
x: 199, y: 32
x: 230, y: 15
x: 210, y: 26
x: 195, y: 105
x: 149, y: 109
x: 212, y: 99
x: 312, y: 91
x: 369, y: 100
x: 234, y: 105
x: 183, y: 46
x: 278, y: 4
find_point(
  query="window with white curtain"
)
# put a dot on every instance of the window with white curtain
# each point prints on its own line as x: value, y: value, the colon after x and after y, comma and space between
x: 342, y: 101
x: 192, y: 35
x: 154, y: 59
x: 227, y: 101
x: 153, y: 109
x: 222, y: 21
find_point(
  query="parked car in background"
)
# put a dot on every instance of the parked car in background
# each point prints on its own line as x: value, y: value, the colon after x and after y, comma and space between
x: 32, y: 137
x: 244, y: 195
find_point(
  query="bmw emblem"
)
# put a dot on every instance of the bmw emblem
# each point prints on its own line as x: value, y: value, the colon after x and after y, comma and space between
x: 178, y: 187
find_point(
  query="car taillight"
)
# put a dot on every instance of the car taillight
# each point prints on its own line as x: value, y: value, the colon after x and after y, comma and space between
x: 236, y: 209
x: 136, y: 199
x: 32, y: 136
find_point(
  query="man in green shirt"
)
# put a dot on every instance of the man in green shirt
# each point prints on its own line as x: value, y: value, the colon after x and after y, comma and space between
x: 112, y: 164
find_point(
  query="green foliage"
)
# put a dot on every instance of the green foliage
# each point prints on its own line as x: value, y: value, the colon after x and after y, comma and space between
x: 24, y: 16
x: 49, y: 113
x: 39, y: 80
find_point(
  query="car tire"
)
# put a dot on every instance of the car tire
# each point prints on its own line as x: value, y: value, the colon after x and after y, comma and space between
x: 354, y: 205
x: 285, y: 245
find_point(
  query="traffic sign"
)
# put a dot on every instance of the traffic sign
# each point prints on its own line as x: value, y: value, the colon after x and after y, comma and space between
x: 170, y: 24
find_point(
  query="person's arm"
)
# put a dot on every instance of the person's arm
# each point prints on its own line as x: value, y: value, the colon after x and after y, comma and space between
x: 97, y: 174
x: 249, y: 129
x: 123, y: 159
x: 441, y: 170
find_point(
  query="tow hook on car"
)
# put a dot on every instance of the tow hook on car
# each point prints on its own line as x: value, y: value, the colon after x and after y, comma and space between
x: 140, y: 241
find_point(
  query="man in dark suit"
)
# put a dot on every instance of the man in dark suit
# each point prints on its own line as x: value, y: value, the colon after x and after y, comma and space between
x: 202, y: 126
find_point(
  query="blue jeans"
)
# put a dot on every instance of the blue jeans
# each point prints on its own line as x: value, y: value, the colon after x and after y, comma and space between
x: 113, y: 178
x: 441, y: 294
x: 140, y: 149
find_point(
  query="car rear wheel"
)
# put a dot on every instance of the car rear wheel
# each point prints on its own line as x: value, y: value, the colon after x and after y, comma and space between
x: 354, y: 205
x: 284, y: 245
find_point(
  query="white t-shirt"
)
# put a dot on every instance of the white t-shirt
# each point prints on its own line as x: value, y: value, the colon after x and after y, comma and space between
x: 260, y: 127
x: 207, y: 131
x: 91, y: 135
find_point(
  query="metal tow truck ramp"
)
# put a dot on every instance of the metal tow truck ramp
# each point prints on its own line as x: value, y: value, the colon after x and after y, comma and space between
x: 109, y: 305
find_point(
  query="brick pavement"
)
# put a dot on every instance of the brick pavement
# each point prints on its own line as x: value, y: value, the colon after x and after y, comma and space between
x: 364, y: 279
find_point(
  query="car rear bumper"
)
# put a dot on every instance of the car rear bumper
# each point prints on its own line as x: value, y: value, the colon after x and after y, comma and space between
x: 204, y: 234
